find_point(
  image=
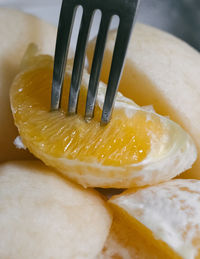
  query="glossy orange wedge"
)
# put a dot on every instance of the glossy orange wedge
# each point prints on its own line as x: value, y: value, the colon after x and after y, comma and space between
x: 138, y: 147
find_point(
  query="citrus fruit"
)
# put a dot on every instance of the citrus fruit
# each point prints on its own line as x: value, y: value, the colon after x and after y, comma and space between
x: 163, y: 71
x: 138, y: 147
x: 167, y: 216
x: 45, y: 216
x: 124, y: 242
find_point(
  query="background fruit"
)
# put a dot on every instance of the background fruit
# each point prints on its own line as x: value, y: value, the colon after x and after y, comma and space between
x: 162, y: 71
x: 137, y: 147
x: 45, y: 216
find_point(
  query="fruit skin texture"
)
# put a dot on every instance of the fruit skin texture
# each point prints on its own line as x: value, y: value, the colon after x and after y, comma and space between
x: 87, y: 153
x: 166, y: 215
x: 17, y: 30
x: 45, y: 216
x: 163, y: 71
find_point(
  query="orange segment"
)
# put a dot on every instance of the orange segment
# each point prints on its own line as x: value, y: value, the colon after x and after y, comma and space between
x: 166, y: 216
x: 94, y: 155
x: 125, y: 242
x: 82, y: 139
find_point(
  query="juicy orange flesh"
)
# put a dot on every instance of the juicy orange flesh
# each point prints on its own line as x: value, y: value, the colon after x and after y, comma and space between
x: 123, y: 141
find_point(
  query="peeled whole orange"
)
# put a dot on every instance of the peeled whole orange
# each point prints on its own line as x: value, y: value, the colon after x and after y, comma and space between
x: 45, y: 216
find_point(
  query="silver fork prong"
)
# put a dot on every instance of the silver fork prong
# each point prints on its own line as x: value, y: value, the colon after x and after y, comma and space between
x: 96, y: 65
x: 123, y: 35
x: 62, y: 46
x: 126, y: 11
x: 79, y: 60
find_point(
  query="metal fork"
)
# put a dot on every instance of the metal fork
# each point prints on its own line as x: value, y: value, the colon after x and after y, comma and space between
x: 126, y: 10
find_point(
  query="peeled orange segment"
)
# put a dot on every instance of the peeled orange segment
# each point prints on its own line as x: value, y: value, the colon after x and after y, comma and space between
x: 137, y: 147
x: 45, y: 216
x: 124, y: 242
x: 163, y: 71
x: 166, y: 215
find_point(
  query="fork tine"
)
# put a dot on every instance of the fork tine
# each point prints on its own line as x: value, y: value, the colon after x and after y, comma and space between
x: 79, y: 60
x: 123, y: 35
x: 67, y: 15
x: 96, y: 65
